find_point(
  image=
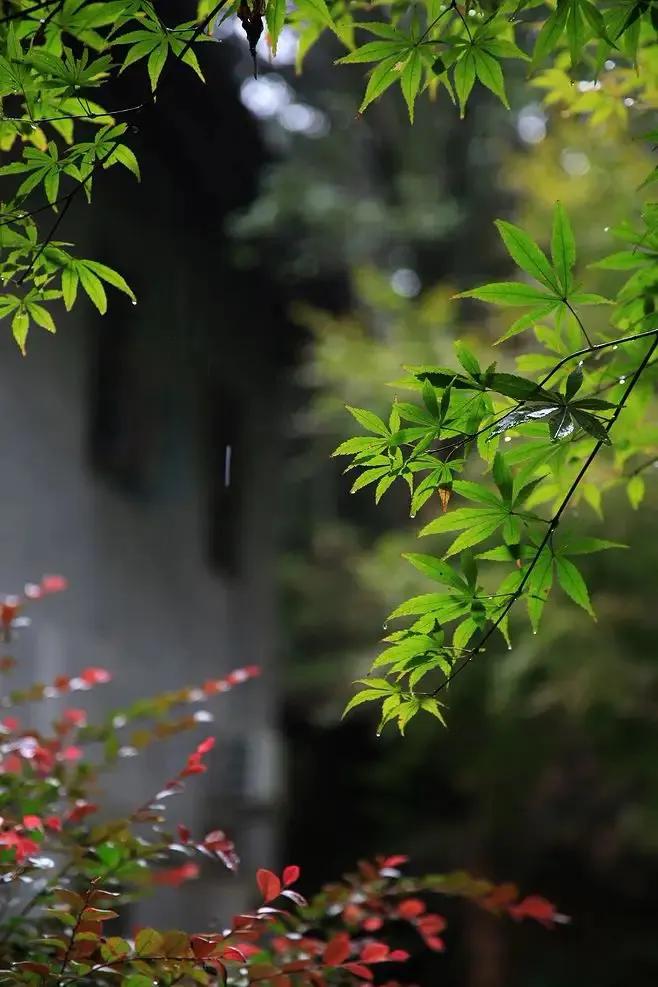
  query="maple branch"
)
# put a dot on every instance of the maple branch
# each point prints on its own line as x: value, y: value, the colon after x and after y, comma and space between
x: 71, y: 196
x: 555, y: 520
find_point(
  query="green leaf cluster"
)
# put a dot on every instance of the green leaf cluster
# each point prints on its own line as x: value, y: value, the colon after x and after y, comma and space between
x: 496, y: 459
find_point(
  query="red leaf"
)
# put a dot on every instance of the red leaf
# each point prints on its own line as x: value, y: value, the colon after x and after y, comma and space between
x: 202, y: 947
x: 337, y: 950
x: 42, y: 969
x: 352, y: 914
x: 374, y: 952
x: 248, y: 948
x: 411, y: 908
x: 217, y: 840
x: 395, y: 860
x: 500, y: 897
x: 290, y: 875
x: 237, y: 676
x: 232, y: 953
x: 53, y: 823
x: 398, y: 956
x: 372, y: 924
x: 53, y: 584
x: 269, y: 884
x: 95, y: 676
x: 434, y: 943
x: 71, y: 753
x: 205, y: 745
x: 536, y: 908
x: 213, y: 685
x: 183, y: 833
x: 296, y: 966
x: 359, y: 971
x: 192, y: 768
x: 32, y: 822
x: 175, y: 876
x: 8, y: 610
x: 80, y: 810
x: 429, y: 925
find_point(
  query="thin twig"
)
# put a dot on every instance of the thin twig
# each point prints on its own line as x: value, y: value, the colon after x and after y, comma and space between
x: 465, y: 23
x: 643, y: 466
x: 578, y: 320
x: 77, y: 116
x: 432, y: 25
x: 16, y: 16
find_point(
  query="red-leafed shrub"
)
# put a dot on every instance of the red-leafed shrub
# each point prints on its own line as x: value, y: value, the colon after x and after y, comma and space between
x: 75, y: 872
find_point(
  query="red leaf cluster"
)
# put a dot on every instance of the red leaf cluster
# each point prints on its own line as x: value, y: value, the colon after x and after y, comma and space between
x: 272, y: 887
x: 429, y: 925
x: 215, y: 844
x: 195, y: 763
x: 14, y: 838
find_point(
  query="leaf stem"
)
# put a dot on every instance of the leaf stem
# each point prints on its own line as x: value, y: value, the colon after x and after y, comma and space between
x: 578, y: 320
x: 430, y: 27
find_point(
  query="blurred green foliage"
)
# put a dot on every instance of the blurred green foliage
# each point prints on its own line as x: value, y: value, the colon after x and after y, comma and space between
x: 548, y: 764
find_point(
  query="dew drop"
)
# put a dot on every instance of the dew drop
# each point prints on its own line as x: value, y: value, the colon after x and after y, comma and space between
x: 622, y: 380
x: 385, y: 625
x: 509, y: 647
x: 134, y: 301
x: 413, y: 514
